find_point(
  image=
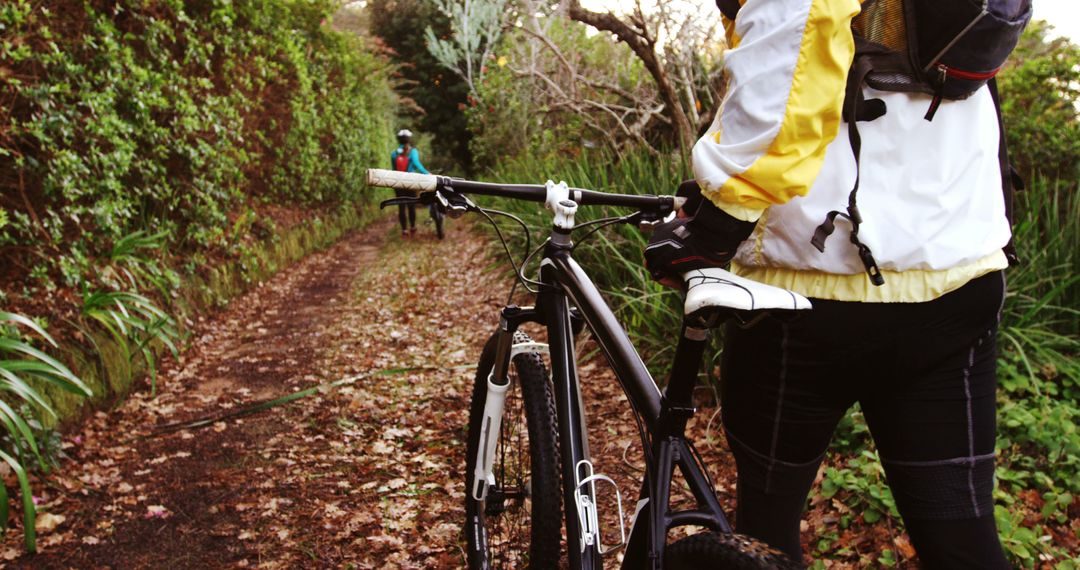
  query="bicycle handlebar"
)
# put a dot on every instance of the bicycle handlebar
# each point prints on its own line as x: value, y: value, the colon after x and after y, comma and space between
x: 529, y: 192
x: 402, y: 180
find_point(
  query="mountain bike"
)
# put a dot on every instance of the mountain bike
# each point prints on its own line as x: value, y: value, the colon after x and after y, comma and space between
x: 527, y: 452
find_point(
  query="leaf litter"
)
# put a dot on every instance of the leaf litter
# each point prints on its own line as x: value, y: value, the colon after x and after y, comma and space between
x: 368, y: 475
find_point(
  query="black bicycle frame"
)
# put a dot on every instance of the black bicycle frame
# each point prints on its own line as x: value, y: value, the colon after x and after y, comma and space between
x: 664, y: 416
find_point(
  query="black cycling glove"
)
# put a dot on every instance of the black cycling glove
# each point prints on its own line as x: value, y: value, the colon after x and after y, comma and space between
x: 690, y: 190
x: 708, y: 239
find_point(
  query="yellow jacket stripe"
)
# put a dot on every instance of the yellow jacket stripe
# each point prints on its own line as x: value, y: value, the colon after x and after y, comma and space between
x: 785, y: 89
x: 931, y: 191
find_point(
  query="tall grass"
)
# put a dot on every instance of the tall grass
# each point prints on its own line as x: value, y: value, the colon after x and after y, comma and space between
x: 134, y: 264
x: 24, y: 367
x: 1042, y: 311
x: 134, y: 322
x: 612, y: 256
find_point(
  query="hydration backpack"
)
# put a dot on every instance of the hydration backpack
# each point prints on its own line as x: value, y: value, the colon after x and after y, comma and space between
x: 401, y: 161
x: 948, y: 49
x: 945, y: 48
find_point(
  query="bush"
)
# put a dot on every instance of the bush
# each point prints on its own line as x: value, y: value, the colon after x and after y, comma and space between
x: 140, y: 135
x: 168, y: 116
x: 1040, y: 89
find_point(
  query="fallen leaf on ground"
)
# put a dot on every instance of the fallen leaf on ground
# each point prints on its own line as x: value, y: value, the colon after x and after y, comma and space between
x: 157, y: 512
x: 47, y: 521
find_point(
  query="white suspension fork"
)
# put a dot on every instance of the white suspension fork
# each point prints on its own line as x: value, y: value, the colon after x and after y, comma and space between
x: 483, y: 476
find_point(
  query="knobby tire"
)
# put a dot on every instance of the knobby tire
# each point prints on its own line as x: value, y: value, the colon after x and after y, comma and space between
x: 708, y: 550
x: 523, y: 532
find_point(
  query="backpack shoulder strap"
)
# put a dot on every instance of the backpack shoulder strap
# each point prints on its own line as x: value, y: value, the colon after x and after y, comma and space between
x: 1010, y: 179
x: 856, y: 108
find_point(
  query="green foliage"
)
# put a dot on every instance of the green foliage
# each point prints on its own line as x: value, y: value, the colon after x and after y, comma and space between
x: 862, y: 476
x: 1045, y: 287
x: 133, y: 321
x: 432, y: 96
x: 24, y: 367
x: 1038, y: 442
x: 133, y: 267
x: 538, y: 103
x: 475, y: 28
x: 1040, y: 89
x: 165, y: 117
x: 506, y: 126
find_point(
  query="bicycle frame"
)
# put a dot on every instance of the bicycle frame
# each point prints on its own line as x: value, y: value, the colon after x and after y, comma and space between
x: 566, y: 284
x: 567, y: 301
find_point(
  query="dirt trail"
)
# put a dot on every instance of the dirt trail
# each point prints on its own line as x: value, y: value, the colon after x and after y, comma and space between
x: 322, y: 482
x: 365, y: 476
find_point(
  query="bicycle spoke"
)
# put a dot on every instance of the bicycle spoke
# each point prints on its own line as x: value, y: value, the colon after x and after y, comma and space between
x: 513, y: 527
x: 509, y: 505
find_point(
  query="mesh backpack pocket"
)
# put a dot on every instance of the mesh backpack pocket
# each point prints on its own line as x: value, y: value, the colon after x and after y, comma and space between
x: 962, y: 44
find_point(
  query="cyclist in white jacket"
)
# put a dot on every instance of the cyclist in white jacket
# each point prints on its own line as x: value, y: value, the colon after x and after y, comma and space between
x: 917, y: 353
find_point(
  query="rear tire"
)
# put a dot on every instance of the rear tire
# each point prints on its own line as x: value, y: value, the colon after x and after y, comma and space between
x: 519, y: 522
x: 721, y: 550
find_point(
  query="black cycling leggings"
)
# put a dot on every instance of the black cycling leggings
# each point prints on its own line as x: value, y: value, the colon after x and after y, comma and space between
x: 924, y: 376
x: 411, y: 208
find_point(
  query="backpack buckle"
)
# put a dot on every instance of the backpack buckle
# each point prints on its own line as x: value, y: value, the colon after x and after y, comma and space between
x: 869, y: 263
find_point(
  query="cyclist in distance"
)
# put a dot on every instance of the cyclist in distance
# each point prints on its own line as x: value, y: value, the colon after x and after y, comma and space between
x: 406, y: 158
x: 916, y: 352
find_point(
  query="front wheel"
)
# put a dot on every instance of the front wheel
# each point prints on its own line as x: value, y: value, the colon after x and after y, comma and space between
x: 707, y: 550
x: 518, y: 523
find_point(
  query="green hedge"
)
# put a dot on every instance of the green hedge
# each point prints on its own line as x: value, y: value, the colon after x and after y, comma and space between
x: 139, y: 138
x: 173, y: 116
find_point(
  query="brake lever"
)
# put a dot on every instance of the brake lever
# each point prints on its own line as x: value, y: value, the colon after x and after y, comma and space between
x: 455, y: 205
x: 450, y: 203
x: 399, y: 201
x: 649, y: 222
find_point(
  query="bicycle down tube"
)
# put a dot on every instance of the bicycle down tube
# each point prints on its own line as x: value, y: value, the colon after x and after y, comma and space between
x: 559, y: 268
x: 662, y: 418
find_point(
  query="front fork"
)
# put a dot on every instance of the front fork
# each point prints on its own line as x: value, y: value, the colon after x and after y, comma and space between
x: 498, y: 384
x: 579, y: 482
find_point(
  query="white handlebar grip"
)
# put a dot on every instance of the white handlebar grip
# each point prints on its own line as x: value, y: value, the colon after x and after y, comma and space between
x: 402, y: 180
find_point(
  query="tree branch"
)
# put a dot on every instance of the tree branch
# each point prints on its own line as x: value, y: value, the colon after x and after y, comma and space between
x: 643, y: 44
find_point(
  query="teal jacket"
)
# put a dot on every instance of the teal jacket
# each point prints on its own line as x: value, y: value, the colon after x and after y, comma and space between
x: 414, y: 160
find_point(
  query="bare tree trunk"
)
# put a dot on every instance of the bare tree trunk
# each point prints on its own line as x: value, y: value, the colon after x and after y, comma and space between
x: 637, y: 36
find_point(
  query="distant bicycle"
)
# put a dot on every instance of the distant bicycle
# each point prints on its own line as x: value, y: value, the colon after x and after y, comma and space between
x: 437, y: 217
x: 527, y: 446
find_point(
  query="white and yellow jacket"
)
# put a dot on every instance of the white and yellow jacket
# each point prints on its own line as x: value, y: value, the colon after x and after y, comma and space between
x: 930, y: 193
